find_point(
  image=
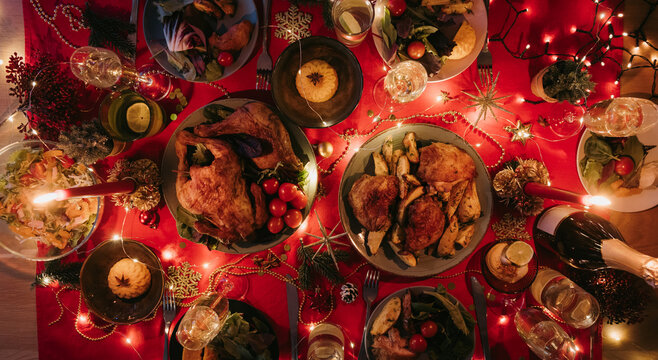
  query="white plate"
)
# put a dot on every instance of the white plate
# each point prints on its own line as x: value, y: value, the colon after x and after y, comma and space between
x: 155, y: 39
x: 452, y: 68
x: 362, y: 163
x: 634, y: 203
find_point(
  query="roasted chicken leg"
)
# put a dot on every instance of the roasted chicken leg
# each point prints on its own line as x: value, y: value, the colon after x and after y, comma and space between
x: 444, y: 165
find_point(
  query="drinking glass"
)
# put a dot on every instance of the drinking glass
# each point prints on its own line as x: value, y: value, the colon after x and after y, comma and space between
x: 203, y: 321
x: 621, y: 117
x: 403, y: 83
x: 506, y: 298
x: 352, y: 19
x: 127, y: 116
x: 565, y: 120
x: 326, y: 342
x: 544, y: 336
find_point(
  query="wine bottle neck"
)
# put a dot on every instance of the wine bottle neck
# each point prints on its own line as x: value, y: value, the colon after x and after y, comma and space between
x: 618, y: 255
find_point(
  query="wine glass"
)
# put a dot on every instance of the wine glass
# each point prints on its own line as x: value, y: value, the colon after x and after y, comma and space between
x: 506, y: 294
x: 103, y: 69
x: 203, y: 321
x: 403, y: 83
x: 566, y: 120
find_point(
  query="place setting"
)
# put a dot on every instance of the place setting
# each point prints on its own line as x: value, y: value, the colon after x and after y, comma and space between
x: 329, y: 180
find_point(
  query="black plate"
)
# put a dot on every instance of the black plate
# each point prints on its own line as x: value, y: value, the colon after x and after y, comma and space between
x: 334, y: 110
x: 97, y: 294
x: 248, y: 312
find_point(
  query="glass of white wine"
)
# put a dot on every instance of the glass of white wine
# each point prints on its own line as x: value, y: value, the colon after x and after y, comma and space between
x: 403, y: 83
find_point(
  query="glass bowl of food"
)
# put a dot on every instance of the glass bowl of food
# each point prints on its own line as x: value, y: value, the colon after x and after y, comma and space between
x: 50, y: 230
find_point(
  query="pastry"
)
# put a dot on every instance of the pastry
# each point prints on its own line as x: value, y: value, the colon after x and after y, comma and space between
x: 317, y: 81
x: 128, y: 278
x: 465, y: 40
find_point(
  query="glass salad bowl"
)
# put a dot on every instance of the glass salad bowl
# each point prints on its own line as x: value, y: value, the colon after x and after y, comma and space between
x: 52, y: 230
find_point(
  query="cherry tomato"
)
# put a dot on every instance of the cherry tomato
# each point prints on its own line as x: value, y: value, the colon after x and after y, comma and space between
x: 293, y: 218
x: 278, y: 207
x: 396, y: 7
x: 428, y: 329
x: 287, y: 191
x: 275, y: 225
x: 416, y: 49
x: 270, y: 186
x: 624, y: 165
x: 300, y: 200
x: 225, y: 58
x: 417, y: 343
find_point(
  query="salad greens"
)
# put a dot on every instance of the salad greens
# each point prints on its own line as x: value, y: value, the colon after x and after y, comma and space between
x: 31, y: 172
x: 239, y: 340
x: 601, y: 153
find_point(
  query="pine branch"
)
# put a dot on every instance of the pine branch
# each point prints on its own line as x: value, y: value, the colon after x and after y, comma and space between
x: 56, y: 271
x: 109, y: 32
x: 326, y: 9
x: 322, y: 264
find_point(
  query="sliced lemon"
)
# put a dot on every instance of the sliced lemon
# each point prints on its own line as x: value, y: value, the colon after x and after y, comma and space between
x: 138, y: 117
x: 519, y: 253
x: 349, y: 24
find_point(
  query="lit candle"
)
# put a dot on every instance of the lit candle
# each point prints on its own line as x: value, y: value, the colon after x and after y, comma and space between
x: 120, y: 187
x: 548, y: 192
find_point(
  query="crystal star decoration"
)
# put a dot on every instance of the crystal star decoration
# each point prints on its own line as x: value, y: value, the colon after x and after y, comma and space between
x: 520, y: 132
x: 292, y: 25
x: 183, y: 280
x: 326, y: 240
x: 487, y: 101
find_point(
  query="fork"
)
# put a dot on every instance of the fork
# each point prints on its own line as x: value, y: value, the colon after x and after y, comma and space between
x: 264, y: 63
x: 370, y: 288
x: 168, y: 314
x: 484, y: 60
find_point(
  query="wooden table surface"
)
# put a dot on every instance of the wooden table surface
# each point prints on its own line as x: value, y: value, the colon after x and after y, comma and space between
x: 18, y: 333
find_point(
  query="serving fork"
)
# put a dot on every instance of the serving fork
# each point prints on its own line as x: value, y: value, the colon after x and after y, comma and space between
x: 264, y: 63
x: 484, y: 60
x: 168, y: 314
x: 370, y: 288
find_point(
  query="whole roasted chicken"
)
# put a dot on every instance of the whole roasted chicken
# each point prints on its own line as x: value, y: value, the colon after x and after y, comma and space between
x: 257, y: 120
x: 218, y: 191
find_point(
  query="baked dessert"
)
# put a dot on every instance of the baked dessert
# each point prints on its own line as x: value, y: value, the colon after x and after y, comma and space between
x: 129, y: 279
x: 317, y: 81
x: 464, y: 40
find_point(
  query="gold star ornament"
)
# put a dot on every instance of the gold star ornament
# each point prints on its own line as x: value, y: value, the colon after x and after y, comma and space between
x: 520, y: 132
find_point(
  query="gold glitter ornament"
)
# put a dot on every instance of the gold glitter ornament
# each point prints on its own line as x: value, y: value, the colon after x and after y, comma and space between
x: 184, y: 280
x: 146, y: 175
x: 510, y: 181
x: 146, y: 197
x: 325, y: 149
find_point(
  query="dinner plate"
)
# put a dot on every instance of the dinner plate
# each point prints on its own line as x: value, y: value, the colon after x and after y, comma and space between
x: 634, y: 203
x: 362, y: 163
x: 452, y: 68
x: 301, y: 147
x: 155, y: 39
x: 248, y: 312
x: 97, y: 294
x: 415, y: 290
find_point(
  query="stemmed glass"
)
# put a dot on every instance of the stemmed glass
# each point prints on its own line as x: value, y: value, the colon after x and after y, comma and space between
x: 403, y: 83
x: 103, y: 69
x: 565, y: 120
x: 505, y: 297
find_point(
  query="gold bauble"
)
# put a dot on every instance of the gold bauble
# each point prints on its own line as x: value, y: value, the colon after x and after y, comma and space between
x: 325, y: 149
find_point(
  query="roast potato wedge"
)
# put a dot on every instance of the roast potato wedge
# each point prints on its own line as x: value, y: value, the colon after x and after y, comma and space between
x: 456, y: 195
x: 464, y: 235
x: 446, y: 245
x: 387, y: 317
x: 375, y: 240
x: 469, y: 208
x: 409, y: 143
x: 381, y: 167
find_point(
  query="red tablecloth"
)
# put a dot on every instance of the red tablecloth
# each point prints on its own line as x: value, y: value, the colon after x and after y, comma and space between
x: 544, y: 21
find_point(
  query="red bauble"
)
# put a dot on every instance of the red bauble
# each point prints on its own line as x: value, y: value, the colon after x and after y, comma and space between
x: 149, y: 218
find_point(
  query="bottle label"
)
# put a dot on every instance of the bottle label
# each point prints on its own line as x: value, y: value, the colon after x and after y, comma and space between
x: 551, y: 218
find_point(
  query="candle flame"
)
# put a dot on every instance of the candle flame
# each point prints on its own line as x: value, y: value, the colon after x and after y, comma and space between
x: 596, y: 201
x: 45, y: 198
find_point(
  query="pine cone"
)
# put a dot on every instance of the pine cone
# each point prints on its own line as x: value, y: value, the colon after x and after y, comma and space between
x: 349, y: 293
x: 531, y: 205
x: 146, y: 197
x: 504, y: 184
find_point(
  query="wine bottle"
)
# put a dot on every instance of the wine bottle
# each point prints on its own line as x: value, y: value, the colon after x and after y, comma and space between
x: 587, y: 241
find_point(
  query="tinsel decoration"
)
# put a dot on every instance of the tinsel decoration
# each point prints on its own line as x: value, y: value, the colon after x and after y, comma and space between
x: 147, y: 176
x: 86, y: 143
x: 320, y: 264
x: 59, y: 273
x: 623, y: 297
x: 110, y: 33
x: 349, y: 293
x: 47, y: 93
x: 320, y: 300
x: 509, y: 182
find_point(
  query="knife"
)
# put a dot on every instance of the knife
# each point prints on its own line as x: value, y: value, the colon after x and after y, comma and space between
x: 293, y: 308
x: 133, y: 20
x: 481, y: 314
